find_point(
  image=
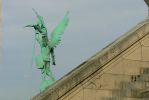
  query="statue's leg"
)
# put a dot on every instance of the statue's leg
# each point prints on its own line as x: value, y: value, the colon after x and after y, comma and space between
x: 43, y: 74
x: 51, y: 75
x: 49, y: 72
x: 53, y: 56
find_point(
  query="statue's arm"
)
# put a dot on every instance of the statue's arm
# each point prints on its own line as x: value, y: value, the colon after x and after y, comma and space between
x: 40, y: 19
x: 29, y: 26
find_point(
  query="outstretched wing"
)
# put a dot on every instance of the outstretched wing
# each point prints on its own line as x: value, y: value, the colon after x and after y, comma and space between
x: 58, y: 31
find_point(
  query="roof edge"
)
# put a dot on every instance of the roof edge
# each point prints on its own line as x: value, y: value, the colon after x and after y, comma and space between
x: 76, y: 76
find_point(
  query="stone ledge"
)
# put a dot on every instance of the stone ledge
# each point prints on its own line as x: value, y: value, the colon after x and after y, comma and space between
x: 76, y: 76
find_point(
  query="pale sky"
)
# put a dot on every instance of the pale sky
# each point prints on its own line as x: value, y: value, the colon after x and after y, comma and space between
x: 93, y: 25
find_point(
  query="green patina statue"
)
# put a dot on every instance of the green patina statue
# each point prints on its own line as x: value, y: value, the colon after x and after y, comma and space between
x: 47, y: 46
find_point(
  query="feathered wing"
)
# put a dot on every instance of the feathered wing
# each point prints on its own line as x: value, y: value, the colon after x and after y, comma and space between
x: 58, y: 31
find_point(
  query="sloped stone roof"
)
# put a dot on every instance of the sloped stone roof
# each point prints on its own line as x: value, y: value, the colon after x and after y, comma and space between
x: 93, y: 64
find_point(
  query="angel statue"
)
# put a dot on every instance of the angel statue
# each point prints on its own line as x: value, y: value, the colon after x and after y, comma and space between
x: 43, y: 60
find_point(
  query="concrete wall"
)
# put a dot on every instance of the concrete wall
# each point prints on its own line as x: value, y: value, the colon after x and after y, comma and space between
x: 121, y: 79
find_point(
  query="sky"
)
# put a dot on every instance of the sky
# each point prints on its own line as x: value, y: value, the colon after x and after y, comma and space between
x: 93, y: 25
